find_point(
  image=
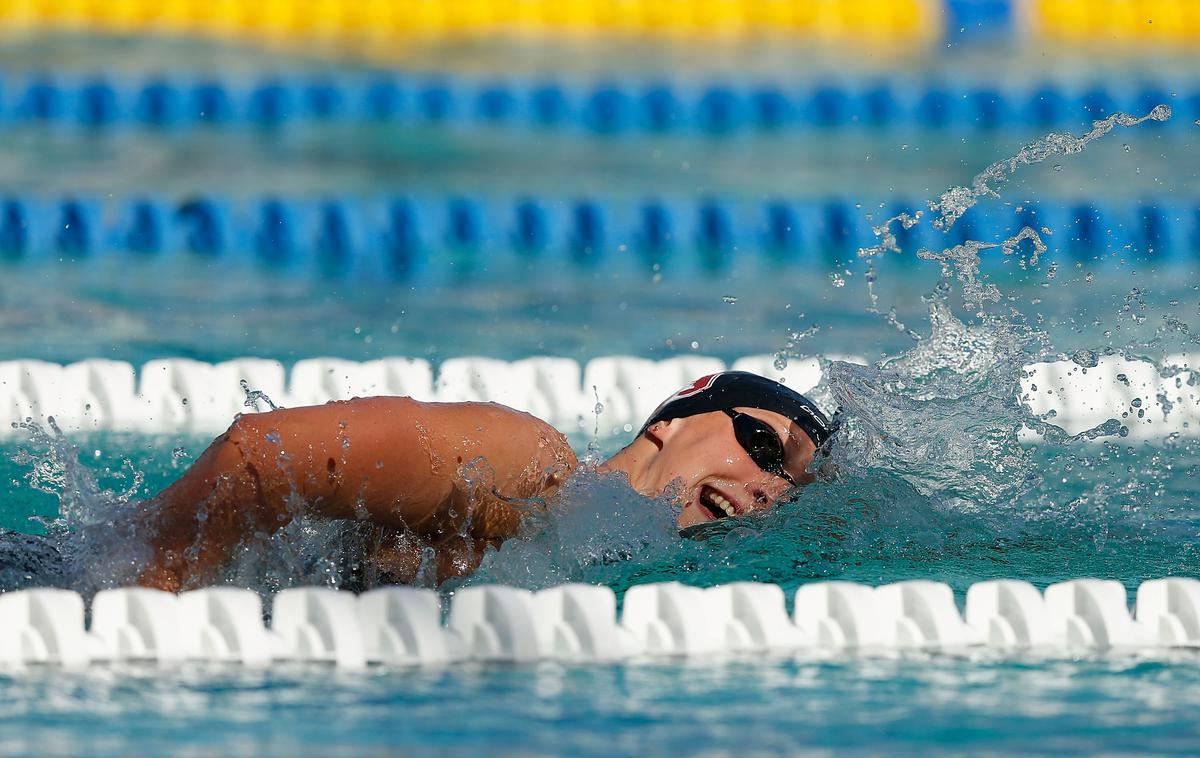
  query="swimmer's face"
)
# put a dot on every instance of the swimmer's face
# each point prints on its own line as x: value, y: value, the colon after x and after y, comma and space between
x: 714, y: 475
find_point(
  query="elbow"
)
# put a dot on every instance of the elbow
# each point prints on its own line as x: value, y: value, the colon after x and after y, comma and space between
x: 256, y: 434
x: 246, y: 428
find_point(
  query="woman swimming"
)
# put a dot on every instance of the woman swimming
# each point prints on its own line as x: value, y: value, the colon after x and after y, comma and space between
x: 457, y: 476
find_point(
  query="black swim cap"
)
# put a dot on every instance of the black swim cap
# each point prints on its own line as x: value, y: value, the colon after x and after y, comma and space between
x: 741, y: 389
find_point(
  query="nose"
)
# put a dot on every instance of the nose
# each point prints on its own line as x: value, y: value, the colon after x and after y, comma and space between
x: 766, y: 490
x: 764, y: 487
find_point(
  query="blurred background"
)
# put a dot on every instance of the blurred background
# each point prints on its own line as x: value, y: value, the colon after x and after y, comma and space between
x: 222, y: 178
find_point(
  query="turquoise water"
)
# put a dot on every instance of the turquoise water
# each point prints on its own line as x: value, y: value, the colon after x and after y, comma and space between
x: 933, y: 705
x: 215, y: 311
x: 932, y: 484
x: 1101, y: 510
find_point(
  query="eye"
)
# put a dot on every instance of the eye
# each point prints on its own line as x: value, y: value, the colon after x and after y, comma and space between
x: 767, y: 447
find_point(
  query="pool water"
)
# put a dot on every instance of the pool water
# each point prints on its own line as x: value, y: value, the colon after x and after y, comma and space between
x: 933, y: 482
x: 915, y: 705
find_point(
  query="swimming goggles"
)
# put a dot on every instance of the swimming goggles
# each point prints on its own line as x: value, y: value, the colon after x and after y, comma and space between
x: 760, y: 442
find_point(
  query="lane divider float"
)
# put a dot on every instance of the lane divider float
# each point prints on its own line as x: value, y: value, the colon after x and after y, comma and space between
x: 417, y: 236
x: 185, y: 396
x: 604, y: 108
x: 405, y: 626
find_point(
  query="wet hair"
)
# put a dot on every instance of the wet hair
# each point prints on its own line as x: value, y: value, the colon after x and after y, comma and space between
x: 741, y: 389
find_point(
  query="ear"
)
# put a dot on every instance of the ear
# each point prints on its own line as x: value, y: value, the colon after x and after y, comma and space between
x: 661, y: 431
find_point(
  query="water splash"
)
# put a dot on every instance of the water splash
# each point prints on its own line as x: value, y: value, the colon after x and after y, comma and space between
x: 964, y: 260
x: 598, y: 527
x: 956, y: 201
x: 256, y: 397
x: 95, y: 532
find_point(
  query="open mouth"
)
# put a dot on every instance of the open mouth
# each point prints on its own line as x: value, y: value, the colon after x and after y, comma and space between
x: 715, y: 503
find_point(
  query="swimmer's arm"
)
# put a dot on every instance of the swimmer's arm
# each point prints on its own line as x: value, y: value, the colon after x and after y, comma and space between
x: 394, y: 461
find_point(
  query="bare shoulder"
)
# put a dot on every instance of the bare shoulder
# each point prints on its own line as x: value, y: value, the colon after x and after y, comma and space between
x: 502, y: 435
x: 414, y: 438
x: 516, y: 444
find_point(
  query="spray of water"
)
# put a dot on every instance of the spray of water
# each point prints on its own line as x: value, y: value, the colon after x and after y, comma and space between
x: 956, y: 201
x: 96, y: 544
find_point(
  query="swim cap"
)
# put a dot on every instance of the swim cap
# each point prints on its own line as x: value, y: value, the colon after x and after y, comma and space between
x: 741, y: 389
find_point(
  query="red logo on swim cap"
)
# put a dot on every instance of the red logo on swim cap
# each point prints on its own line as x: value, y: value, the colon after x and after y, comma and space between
x: 699, y: 385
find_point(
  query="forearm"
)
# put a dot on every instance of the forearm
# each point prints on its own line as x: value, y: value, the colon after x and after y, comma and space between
x: 233, y: 489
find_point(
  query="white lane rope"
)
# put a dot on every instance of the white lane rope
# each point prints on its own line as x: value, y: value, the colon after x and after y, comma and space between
x: 404, y: 626
x: 178, y: 395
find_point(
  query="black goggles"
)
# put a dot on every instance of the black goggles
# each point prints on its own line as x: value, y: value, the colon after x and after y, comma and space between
x: 761, y: 443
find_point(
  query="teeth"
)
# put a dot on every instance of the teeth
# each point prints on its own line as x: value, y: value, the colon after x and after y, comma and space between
x: 723, y: 504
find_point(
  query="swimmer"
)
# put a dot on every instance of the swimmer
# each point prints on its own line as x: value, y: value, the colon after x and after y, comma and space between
x: 457, y: 477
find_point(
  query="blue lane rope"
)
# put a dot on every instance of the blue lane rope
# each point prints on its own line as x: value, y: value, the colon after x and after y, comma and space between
x: 403, y: 236
x: 603, y: 108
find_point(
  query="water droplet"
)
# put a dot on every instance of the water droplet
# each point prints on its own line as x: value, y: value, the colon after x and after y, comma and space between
x: 1086, y: 358
x: 729, y: 299
x: 781, y: 362
x: 1058, y: 167
x: 1126, y: 148
x: 598, y: 408
x: 695, y: 345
